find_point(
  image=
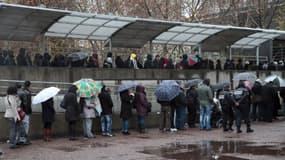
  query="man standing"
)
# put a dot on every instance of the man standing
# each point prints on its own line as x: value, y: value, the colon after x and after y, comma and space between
x: 242, y: 107
x: 26, y: 98
x: 205, y: 97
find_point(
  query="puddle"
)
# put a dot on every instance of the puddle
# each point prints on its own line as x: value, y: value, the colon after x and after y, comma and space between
x: 93, y: 145
x: 215, y: 150
x: 66, y: 149
x: 81, y: 146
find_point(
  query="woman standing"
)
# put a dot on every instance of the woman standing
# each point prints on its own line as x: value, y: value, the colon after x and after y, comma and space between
x: 48, y: 117
x: 12, y: 102
x: 141, y: 103
x: 72, y: 111
x: 88, y: 106
x: 127, y: 98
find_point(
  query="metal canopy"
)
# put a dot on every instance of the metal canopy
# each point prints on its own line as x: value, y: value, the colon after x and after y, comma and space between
x: 254, y: 40
x: 88, y: 26
x: 188, y: 34
x: 225, y: 38
x: 22, y: 23
x: 138, y: 33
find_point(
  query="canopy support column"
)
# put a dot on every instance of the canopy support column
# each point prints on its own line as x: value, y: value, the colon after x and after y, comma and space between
x: 230, y: 53
x: 257, y: 55
x: 43, y: 44
x: 150, y: 47
x: 110, y: 45
x: 200, y: 50
x: 270, y: 51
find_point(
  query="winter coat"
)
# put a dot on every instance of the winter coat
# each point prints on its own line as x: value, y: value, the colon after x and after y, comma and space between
x: 89, y: 107
x: 12, y: 102
x: 48, y: 111
x: 72, y: 109
x: 148, y: 62
x: 180, y: 100
x: 119, y: 62
x: 26, y: 99
x: 192, y: 97
x: 140, y: 101
x: 106, y: 102
x: 205, y: 95
x: 126, y: 104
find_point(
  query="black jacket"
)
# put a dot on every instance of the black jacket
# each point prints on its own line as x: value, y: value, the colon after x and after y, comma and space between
x: 106, y: 102
x: 26, y: 100
x: 126, y: 104
x: 72, y: 108
x: 48, y: 112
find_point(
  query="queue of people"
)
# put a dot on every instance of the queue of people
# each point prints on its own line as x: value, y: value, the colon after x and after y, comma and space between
x: 177, y: 112
x: 133, y: 61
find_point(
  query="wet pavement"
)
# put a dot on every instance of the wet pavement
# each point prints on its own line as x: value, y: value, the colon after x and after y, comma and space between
x: 266, y: 143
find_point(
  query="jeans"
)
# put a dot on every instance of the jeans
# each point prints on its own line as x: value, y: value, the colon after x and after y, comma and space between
x: 87, y: 127
x: 26, y: 123
x: 106, y: 124
x: 12, y: 131
x: 165, y: 118
x: 205, y: 117
x: 125, y: 126
x: 140, y: 121
x: 180, y: 117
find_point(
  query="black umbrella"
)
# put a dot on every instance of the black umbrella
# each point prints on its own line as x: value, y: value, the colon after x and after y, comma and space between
x: 77, y: 56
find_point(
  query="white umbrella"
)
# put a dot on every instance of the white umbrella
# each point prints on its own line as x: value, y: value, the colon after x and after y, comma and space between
x: 276, y: 80
x: 45, y: 94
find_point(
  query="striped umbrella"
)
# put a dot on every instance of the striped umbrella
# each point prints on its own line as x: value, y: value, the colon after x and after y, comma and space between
x: 87, y: 87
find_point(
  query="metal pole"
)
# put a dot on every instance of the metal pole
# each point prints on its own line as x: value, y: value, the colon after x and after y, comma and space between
x: 43, y: 45
x: 150, y: 47
x: 110, y: 45
x: 230, y: 53
x: 200, y: 50
x: 270, y: 50
x: 257, y: 55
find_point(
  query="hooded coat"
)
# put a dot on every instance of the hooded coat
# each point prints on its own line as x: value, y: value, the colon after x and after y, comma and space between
x: 140, y: 101
x: 126, y: 104
x: 71, y: 105
x: 106, y: 102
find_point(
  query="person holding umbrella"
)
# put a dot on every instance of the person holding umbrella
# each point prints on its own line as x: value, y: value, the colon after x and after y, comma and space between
x: 165, y: 92
x: 127, y: 99
x: 192, y: 105
x: 48, y: 117
x: 242, y: 106
x: 45, y: 97
x: 72, y: 111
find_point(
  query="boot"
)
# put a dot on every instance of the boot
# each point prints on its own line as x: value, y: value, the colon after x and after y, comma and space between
x: 249, y: 130
x: 48, y: 134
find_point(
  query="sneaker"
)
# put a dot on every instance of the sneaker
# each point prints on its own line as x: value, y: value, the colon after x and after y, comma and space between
x: 239, y: 131
x: 173, y: 130
x: 126, y: 133
x: 109, y: 135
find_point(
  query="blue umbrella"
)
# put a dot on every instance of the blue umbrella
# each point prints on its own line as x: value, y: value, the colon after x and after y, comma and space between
x: 169, y: 82
x: 126, y: 86
x: 192, y: 82
x: 166, y: 92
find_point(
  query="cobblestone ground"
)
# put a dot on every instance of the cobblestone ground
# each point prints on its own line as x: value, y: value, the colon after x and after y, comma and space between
x: 150, y: 146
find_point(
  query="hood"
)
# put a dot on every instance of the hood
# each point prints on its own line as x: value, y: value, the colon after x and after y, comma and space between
x: 149, y: 57
x: 72, y: 89
x: 140, y: 89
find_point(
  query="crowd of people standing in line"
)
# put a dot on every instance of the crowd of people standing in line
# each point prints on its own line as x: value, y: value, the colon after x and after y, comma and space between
x: 133, y: 61
x: 235, y: 106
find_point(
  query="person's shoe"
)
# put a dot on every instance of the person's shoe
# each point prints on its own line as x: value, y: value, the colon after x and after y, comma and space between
x: 249, y: 130
x: 73, y: 139
x: 225, y: 130
x: 239, y: 131
x: 230, y: 129
x: 104, y: 134
x: 109, y: 135
x: 173, y: 130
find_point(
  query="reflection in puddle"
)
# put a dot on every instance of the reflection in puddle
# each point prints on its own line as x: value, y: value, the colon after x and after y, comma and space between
x: 81, y: 146
x: 214, y: 150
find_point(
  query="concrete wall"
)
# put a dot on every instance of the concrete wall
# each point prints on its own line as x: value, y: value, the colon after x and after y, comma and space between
x: 73, y: 74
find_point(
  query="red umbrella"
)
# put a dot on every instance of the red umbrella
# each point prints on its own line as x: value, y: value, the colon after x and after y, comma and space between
x: 193, y: 60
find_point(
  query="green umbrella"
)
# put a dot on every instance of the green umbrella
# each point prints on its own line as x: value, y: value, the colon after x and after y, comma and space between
x: 87, y: 87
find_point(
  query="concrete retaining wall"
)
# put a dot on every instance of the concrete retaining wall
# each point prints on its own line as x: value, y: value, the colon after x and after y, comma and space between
x: 50, y: 74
